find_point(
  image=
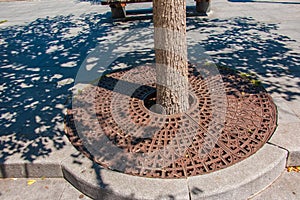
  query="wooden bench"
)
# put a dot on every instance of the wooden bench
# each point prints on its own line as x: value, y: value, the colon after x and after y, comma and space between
x: 118, y: 6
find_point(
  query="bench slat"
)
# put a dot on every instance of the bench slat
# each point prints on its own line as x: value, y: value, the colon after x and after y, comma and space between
x: 107, y: 2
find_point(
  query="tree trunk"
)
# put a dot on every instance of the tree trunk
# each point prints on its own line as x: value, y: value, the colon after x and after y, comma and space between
x: 169, y: 18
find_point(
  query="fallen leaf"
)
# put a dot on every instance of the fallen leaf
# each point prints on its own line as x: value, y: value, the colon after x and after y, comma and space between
x: 293, y: 169
x: 43, y: 177
x: 30, y: 182
x: 46, y: 187
x: 81, y: 196
x: 255, y: 82
x: 2, y: 21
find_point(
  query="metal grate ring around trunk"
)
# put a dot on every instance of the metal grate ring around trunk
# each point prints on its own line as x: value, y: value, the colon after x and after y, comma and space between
x: 231, y: 116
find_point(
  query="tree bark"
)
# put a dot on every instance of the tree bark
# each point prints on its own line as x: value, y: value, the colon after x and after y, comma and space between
x: 169, y: 18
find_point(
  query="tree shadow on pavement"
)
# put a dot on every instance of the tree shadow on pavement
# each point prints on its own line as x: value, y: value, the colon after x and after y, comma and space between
x: 265, y: 1
x: 39, y: 64
x: 252, y: 47
x: 40, y: 61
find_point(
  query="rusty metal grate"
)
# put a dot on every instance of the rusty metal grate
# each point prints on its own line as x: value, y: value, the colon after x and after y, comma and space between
x: 132, y: 139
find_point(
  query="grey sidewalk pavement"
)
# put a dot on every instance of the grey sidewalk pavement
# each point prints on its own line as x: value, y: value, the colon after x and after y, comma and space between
x: 286, y: 187
x: 48, y: 188
x: 44, y: 42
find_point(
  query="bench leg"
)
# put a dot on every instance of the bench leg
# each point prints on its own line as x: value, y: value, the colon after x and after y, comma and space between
x: 118, y: 10
x: 203, y: 6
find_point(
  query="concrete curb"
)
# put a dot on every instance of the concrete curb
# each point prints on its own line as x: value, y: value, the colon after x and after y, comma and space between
x: 287, y: 134
x: 239, y: 181
x: 243, y: 179
x: 98, y: 183
x: 47, y: 166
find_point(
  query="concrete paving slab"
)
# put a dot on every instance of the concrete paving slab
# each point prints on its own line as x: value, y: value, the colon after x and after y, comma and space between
x: 241, y: 180
x: 295, y: 105
x: 71, y: 193
x: 19, y: 189
x: 287, y: 136
x: 285, y: 114
x: 42, y: 188
x: 286, y: 187
x: 27, y: 11
x: 285, y: 87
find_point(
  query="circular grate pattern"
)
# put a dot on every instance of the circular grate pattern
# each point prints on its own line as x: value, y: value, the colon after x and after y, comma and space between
x: 132, y: 139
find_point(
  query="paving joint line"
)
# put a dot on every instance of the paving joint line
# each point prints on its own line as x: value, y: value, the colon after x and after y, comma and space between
x: 189, y: 189
x: 283, y: 148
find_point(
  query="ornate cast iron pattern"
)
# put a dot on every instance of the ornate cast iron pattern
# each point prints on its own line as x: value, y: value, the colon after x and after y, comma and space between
x: 172, y: 146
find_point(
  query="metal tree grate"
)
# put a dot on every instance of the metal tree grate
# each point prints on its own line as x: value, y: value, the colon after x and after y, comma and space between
x: 132, y: 139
